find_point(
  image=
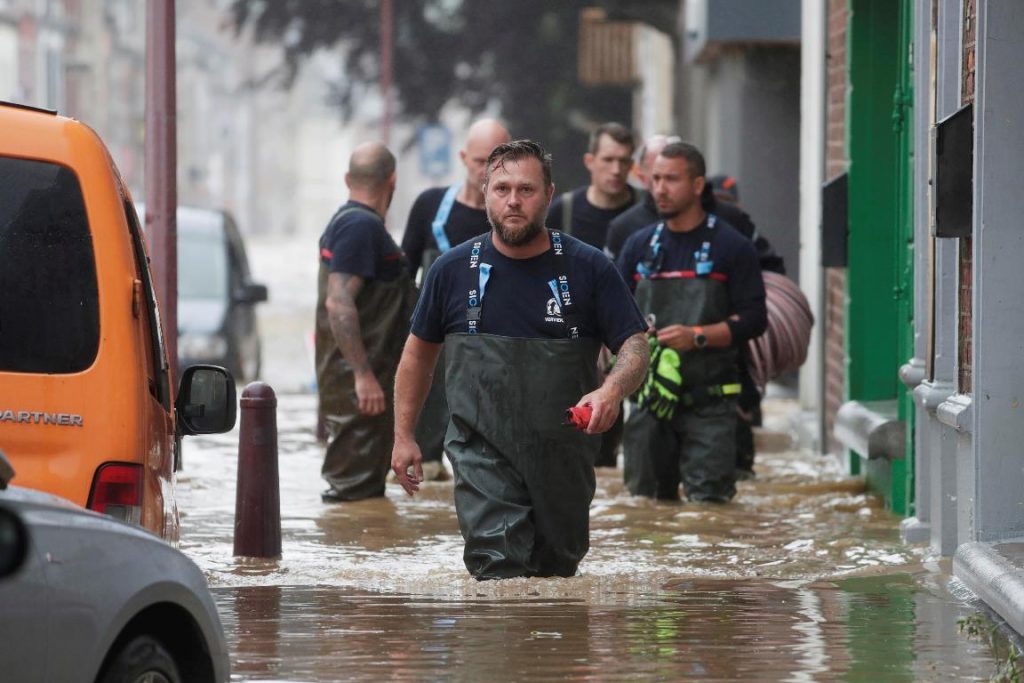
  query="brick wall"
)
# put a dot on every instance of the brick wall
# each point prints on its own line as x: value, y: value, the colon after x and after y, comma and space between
x: 836, y: 159
x: 966, y: 265
x: 836, y: 162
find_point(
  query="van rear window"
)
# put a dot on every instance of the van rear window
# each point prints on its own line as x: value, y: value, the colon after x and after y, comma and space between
x: 49, y: 312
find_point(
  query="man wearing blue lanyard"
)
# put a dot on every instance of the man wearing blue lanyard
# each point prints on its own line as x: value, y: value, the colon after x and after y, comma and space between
x: 521, y: 312
x: 441, y: 218
x: 444, y: 217
x: 699, y: 283
x: 644, y: 214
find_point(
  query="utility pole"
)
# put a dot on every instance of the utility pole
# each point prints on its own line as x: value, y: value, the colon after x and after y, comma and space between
x: 386, y: 66
x: 161, y: 167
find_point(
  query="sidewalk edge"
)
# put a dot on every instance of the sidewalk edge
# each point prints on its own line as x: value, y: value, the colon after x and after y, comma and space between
x: 993, y: 578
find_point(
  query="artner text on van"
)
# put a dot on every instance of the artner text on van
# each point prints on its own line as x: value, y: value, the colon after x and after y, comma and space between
x: 39, y: 417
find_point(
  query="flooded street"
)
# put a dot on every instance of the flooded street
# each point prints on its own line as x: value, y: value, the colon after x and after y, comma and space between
x: 813, y: 196
x: 803, y: 577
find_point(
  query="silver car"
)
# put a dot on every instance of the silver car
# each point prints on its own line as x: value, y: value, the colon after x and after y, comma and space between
x: 84, y: 597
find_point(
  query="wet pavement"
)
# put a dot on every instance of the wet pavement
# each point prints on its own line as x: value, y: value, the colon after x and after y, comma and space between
x: 802, y: 578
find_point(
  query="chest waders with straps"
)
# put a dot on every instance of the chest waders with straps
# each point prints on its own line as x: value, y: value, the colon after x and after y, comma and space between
x: 523, y: 480
x: 433, y: 420
x: 688, y: 437
x: 359, y: 446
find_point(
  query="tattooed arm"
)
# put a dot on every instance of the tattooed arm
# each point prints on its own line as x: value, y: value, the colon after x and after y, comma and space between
x: 343, y: 317
x: 630, y: 365
x: 629, y: 371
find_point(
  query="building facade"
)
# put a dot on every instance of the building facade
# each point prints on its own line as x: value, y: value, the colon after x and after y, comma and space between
x: 921, y: 132
x: 739, y: 101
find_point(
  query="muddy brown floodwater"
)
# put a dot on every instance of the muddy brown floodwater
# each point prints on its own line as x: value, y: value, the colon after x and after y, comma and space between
x: 802, y: 578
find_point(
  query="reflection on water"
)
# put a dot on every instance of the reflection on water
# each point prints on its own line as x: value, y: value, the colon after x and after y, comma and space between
x: 857, y: 629
x: 803, y: 577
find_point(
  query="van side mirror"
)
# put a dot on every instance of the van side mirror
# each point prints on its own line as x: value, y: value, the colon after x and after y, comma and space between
x: 13, y: 542
x: 251, y: 293
x: 206, y: 400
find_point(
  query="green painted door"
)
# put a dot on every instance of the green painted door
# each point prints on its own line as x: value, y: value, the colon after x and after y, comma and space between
x: 903, y: 120
x: 879, y: 330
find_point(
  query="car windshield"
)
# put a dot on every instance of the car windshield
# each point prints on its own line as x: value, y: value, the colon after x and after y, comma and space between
x: 202, y: 265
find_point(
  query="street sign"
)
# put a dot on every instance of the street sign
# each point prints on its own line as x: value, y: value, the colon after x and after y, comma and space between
x: 434, y: 142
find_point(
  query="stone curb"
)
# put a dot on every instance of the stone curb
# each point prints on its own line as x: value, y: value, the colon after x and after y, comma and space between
x: 995, y: 578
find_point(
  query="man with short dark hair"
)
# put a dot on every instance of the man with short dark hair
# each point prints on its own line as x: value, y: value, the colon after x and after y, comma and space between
x: 644, y: 212
x: 586, y: 211
x: 521, y: 312
x: 699, y: 283
x: 365, y: 297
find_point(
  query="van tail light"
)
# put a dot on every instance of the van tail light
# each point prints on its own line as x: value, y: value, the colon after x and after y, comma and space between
x: 117, y: 491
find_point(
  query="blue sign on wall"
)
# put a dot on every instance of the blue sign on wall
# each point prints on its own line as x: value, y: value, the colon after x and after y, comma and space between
x: 434, y: 142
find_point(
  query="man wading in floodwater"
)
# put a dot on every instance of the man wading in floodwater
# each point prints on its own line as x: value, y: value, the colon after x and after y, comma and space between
x: 523, y: 312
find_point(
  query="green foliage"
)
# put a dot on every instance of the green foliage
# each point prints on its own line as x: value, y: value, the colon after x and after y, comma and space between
x: 973, y: 625
x: 1005, y: 652
x: 1009, y: 670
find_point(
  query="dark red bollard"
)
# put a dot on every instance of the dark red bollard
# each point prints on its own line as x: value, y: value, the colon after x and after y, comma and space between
x: 258, y: 498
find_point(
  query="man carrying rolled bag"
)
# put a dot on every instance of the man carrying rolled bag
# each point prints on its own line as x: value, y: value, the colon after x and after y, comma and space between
x: 699, y: 283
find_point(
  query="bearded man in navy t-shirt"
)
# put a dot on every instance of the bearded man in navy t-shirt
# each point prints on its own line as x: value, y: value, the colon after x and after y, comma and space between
x: 522, y: 313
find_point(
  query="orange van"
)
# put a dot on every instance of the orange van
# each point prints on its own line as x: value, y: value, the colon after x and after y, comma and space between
x: 87, y: 410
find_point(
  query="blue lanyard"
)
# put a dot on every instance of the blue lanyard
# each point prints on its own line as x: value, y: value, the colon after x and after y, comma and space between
x: 651, y: 263
x: 559, y: 288
x: 485, y: 275
x: 476, y: 295
x: 441, y: 217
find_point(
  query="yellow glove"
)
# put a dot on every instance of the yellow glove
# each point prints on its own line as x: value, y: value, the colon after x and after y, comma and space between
x: 661, y: 392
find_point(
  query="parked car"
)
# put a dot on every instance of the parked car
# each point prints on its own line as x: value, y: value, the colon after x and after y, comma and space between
x: 216, y: 295
x: 86, y: 404
x: 89, y: 598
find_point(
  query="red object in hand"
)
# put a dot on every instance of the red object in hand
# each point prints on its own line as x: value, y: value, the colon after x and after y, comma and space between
x: 578, y: 417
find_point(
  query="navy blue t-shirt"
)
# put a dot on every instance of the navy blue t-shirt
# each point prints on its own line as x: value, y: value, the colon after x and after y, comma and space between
x: 589, y: 222
x: 518, y: 300
x: 731, y: 254
x: 357, y: 243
